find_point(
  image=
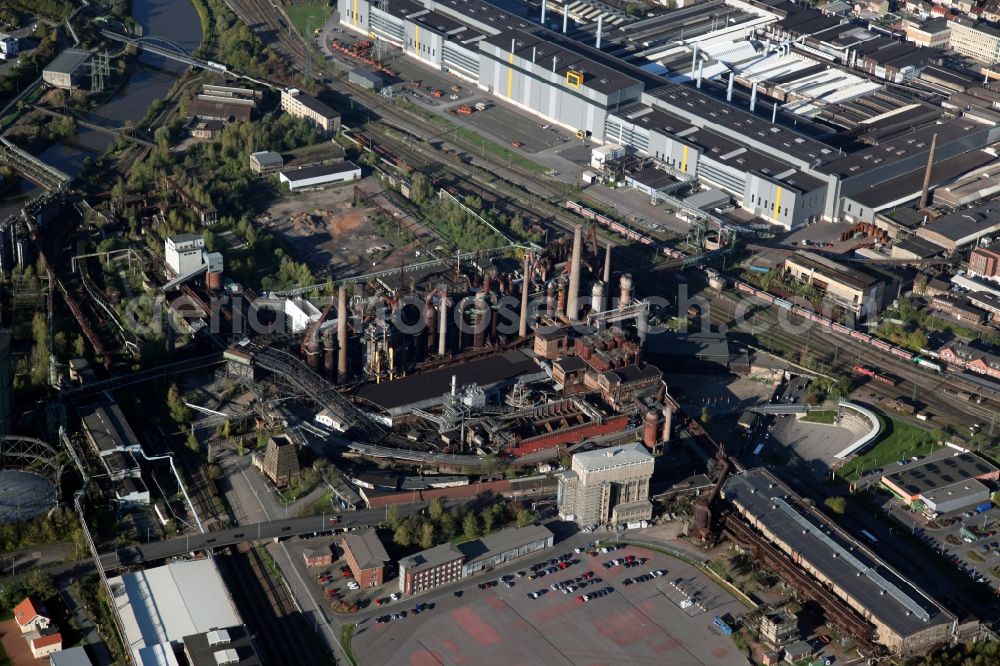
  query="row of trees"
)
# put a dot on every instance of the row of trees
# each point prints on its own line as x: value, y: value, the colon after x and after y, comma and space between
x: 61, y: 525
x: 437, y: 525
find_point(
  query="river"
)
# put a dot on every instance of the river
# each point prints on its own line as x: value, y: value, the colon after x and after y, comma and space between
x: 151, y: 79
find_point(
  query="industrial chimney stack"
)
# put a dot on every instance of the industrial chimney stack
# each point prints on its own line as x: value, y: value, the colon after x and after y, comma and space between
x: 342, y: 334
x: 927, y: 173
x: 572, y: 303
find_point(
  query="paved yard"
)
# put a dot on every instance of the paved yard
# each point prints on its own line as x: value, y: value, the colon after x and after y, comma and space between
x: 635, y: 624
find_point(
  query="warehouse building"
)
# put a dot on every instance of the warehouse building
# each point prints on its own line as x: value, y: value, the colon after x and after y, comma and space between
x: 68, y: 70
x: 447, y: 563
x: 162, y: 605
x: 782, y: 174
x: 857, y: 291
x: 319, y: 176
x: 963, y: 228
x: 229, y: 646
x: 300, y: 105
x: 266, y: 161
x: 905, y: 619
x: 944, y: 481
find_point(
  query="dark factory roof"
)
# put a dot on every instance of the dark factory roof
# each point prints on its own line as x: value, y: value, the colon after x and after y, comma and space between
x: 838, y: 557
x: 920, y: 478
x: 427, y: 385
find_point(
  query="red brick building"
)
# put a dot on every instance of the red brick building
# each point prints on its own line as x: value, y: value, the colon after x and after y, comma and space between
x: 319, y: 557
x: 974, y: 360
x: 366, y: 557
x: 985, y: 261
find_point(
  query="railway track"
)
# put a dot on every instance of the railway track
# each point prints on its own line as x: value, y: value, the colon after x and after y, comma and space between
x: 841, y: 353
x: 266, y: 606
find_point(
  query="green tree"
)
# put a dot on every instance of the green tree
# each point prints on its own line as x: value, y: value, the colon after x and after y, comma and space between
x: 470, y: 526
x: 79, y: 345
x: 427, y: 535
x: 447, y: 526
x: 392, y: 517
x: 420, y: 189
x: 405, y: 535
x: 208, y: 236
x: 179, y: 412
x: 836, y: 504
x: 435, y: 509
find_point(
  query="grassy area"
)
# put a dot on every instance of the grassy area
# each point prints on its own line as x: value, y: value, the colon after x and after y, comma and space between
x: 309, y: 17
x: 897, y: 440
x: 974, y: 556
x: 322, y: 505
x: 827, y: 416
x: 346, y: 634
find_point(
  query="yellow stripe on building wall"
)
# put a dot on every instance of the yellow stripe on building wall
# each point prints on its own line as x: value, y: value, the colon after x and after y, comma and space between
x: 684, y: 160
x: 777, y: 204
x: 510, y: 75
x: 416, y: 39
x: 355, y: 13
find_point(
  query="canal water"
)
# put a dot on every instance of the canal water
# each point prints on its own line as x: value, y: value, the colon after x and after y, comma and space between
x: 151, y: 79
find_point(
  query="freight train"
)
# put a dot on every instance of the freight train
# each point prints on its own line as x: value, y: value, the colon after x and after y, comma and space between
x: 878, y: 376
x: 836, y: 327
x: 623, y: 230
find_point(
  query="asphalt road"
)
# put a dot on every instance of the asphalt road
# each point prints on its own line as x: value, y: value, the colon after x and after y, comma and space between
x: 286, y: 527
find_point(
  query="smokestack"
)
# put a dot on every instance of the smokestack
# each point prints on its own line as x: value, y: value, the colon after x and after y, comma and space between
x: 479, y: 319
x: 729, y: 90
x: 545, y: 5
x: 642, y: 326
x: 328, y: 358
x: 701, y: 65
x: 522, y: 329
x: 572, y: 304
x: 694, y: 56
x: 625, y: 285
x: 650, y: 424
x: 443, y: 325
x: 607, y: 264
x: 561, y: 302
x: 600, y: 28
x: 342, y: 333
x: 668, y: 417
x: 550, y: 298
x: 597, y: 297
x: 927, y: 173
x: 565, y: 14
x: 753, y: 96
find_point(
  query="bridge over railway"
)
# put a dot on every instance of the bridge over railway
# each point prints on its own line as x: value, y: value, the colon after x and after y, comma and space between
x: 274, y: 529
x: 133, y: 135
x: 133, y: 378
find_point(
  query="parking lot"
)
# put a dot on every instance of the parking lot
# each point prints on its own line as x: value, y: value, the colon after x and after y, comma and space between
x: 508, y: 125
x: 638, y: 623
x: 977, y: 559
